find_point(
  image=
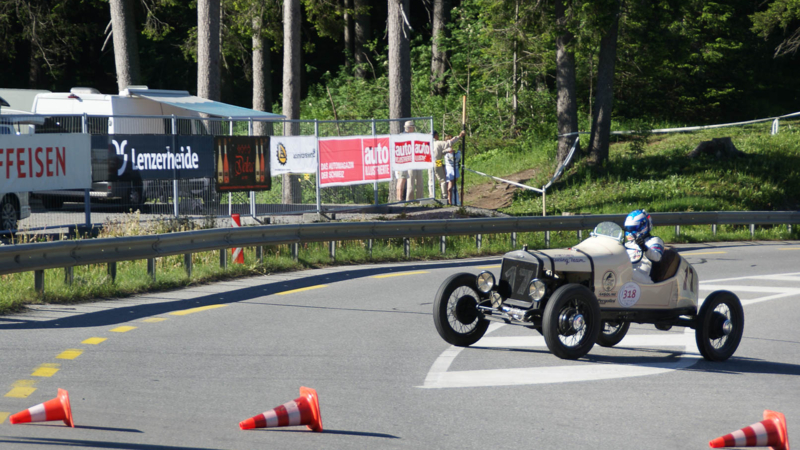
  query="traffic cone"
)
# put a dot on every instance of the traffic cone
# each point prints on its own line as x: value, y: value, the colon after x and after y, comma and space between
x: 237, y: 254
x: 769, y: 432
x: 55, y: 409
x: 303, y: 410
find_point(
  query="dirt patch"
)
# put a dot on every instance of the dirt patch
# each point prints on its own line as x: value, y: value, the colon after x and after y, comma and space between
x: 496, y: 194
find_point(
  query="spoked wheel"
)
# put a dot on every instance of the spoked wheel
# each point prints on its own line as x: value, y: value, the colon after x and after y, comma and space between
x: 571, y: 321
x: 720, y: 324
x: 612, y: 333
x: 455, y: 311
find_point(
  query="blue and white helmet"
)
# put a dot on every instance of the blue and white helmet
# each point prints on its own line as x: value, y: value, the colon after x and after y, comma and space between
x: 638, y: 223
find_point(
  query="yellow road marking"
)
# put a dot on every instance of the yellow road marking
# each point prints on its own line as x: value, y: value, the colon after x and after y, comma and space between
x: 4, y: 416
x: 154, y: 320
x: 790, y: 248
x: 22, y: 389
x: 194, y: 310
x: 94, y: 340
x: 703, y: 253
x: 69, y: 354
x: 122, y: 329
x: 389, y: 275
x: 46, y: 370
x: 303, y: 289
x: 491, y: 267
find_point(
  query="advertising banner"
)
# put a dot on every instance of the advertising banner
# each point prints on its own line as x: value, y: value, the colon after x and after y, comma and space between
x: 354, y: 160
x: 41, y: 162
x: 242, y: 163
x: 411, y: 151
x: 292, y: 154
x: 133, y: 157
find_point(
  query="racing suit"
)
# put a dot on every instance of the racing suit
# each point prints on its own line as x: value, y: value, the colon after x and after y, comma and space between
x: 643, y: 254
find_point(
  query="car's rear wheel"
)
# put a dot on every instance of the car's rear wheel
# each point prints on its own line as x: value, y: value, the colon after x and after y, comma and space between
x: 571, y: 321
x: 720, y: 325
x: 612, y: 333
x: 455, y: 311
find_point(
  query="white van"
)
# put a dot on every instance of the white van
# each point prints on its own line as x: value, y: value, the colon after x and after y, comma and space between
x: 125, y: 113
x: 14, y: 206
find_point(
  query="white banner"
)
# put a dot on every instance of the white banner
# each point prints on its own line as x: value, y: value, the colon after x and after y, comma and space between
x: 411, y: 151
x: 292, y: 154
x: 44, y: 162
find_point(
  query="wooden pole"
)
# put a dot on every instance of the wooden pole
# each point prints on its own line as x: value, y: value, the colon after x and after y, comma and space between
x: 463, y: 145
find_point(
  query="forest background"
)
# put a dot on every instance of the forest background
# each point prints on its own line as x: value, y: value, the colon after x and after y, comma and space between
x: 674, y: 61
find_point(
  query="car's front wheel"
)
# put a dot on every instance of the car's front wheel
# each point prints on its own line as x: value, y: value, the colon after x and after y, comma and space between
x: 571, y: 321
x: 612, y: 333
x: 720, y: 325
x: 9, y: 213
x: 455, y: 311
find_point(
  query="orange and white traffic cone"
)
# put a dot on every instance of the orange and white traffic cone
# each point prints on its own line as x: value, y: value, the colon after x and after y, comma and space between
x: 237, y: 254
x: 769, y: 432
x: 55, y: 409
x: 303, y: 410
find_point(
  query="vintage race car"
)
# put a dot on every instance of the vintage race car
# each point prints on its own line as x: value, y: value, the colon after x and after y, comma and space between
x: 585, y: 294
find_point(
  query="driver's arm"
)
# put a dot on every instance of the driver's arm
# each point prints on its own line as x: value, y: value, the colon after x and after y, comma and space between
x: 654, y: 248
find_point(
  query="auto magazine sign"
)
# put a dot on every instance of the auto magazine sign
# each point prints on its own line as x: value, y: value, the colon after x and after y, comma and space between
x: 135, y: 157
x: 45, y: 162
x: 354, y: 160
x: 411, y: 151
x: 292, y: 154
x: 242, y: 163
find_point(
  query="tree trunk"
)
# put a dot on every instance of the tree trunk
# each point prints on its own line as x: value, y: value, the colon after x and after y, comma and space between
x: 208, y: 56
x: 362, y: 36
x: 566, y: 102
x: 604, y: 99
x: 348, y: 32
x: 291, y: 89
x: 262, y: 88
x: 126, y: 50
x: 399, y: 71
x: 514, y: 78
x: 441, y: 17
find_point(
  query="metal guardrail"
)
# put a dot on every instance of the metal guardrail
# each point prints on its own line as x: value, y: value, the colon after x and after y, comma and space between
x: 66, y: 254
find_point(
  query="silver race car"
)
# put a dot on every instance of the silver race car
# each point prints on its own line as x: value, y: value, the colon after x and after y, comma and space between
x: 585, y: 294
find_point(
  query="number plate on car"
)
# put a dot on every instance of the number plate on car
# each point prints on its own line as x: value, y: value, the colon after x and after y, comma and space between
x: 516, y: 276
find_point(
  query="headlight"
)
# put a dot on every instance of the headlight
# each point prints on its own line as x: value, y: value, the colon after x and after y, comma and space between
x: 485, y: 282
x: 537, y: 289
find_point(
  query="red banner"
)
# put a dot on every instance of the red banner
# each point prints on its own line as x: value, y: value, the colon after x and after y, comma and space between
x: 412, y: 151
x: 354, y: 160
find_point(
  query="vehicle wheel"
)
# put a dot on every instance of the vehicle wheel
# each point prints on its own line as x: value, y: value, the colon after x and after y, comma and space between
x: 571, y: 321
x: 612, y: 333
x: 52, y: 202
x: 720, y: 325
x: 455, y: 311
x: 135, y: 196
x: 9, y: 212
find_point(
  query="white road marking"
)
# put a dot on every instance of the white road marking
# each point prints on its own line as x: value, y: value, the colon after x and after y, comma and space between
x: 439, y: 376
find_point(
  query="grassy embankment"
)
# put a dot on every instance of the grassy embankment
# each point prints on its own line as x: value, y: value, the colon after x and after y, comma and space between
x: 651, y: 172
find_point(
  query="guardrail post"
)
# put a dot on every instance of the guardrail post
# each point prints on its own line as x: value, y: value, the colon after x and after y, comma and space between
x: 296, y: 251
x: 580, y: 235
x: 370, y: 243
x: 151, y: 268
x: 677, y: 230
x: 514, y: 240
x: 332, y: 250
x: 789, y: 228
x: 187, y: 264
x: 407, y: 247
x: 38, y: 281
x: 112, y: 271
x: 69, y: 276
x: 443, y: 244
x: 714, y: 229
x: 478, y: 241
x: 260, y: 254
x: 223, y: 258
x: 547, y: 239
x: 752, y: 231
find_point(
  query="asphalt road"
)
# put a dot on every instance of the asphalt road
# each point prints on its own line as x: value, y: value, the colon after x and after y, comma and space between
x: 180, y: 370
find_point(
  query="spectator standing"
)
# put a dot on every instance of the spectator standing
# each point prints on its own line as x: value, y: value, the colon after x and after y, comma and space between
x: 440, y: 151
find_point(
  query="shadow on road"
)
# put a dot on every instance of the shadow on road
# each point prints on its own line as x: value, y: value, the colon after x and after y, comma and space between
x: 129, y: 313
x: 329, y: 431
x: 20, y: 441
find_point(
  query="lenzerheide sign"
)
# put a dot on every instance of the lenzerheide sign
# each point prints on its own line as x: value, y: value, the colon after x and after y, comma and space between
x: 45, y: 162
x: 293, y: 154
x: 242, y: 163
x: 134, y: 157
x: 354, y: 160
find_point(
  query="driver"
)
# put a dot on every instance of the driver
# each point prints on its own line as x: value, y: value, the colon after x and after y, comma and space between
x: 643, y: 248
